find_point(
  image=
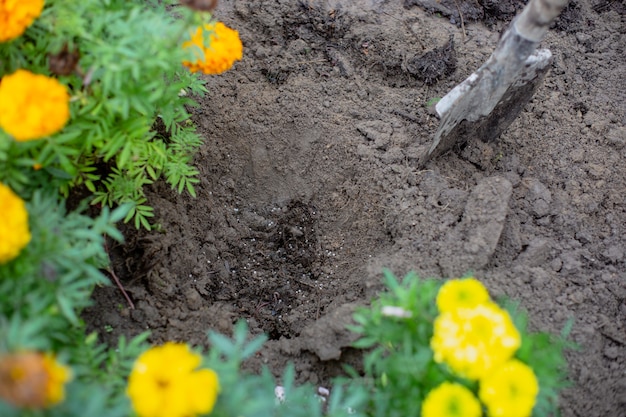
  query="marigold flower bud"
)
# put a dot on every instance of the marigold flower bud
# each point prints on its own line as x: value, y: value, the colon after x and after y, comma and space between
x: 14, y: 232
x: 32, y: 106
x: 65, y: 62
x: 16, y: 16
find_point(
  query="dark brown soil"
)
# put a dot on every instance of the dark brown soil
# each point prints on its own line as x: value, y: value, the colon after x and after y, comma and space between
x: 309, y: 187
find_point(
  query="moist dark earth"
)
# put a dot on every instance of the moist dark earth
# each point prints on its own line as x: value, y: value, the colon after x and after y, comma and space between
x: 310, y: 187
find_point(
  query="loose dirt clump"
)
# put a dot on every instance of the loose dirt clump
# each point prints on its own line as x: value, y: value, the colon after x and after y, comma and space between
x: 309, y: 186
x: 435, y: 64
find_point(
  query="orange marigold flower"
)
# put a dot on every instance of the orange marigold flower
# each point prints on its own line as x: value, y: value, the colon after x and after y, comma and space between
x: 16, y: 16
x: 32, y: 379
x: 14, y: 232
x: 220, y: 54
x: 32, y: 106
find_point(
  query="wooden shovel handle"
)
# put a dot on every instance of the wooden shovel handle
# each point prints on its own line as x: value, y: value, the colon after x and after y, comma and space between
x: 537, y: 16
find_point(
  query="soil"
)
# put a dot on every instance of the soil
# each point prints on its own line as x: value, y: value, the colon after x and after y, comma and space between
x: 309, y: 187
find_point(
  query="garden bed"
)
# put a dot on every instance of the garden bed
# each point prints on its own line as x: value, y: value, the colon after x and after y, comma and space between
x: 309, y: 187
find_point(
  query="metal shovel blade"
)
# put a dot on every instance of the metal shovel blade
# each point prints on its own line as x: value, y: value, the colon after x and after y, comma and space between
x: 488, y: 101
x: 471, y: 93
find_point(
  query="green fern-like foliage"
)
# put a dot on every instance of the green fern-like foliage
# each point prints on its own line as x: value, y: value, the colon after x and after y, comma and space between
x: 129, y: 78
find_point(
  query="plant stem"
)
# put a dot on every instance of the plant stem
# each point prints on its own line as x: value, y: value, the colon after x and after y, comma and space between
x: 116, y: 279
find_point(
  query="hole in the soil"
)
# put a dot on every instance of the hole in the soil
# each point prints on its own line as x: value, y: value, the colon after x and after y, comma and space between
x: 275, y: 335
x: 278, y: 270
x: 275, y: 76
x: 582, y: 107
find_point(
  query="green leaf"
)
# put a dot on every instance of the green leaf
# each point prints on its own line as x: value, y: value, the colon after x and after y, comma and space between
x: 90, y: 186
x: 129, y: 147
x: 67, y: 308
x: 190, y: 189
x: 252, y: 347
x: 120, y: 212
x: 220, y: 342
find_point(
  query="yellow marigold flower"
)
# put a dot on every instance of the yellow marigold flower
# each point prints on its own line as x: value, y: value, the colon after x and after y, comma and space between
x: 32, y: 106
x: 223, y: 50
x: 16, y: 16
x: 32, y: 380
x: 165, y: 382
x: 473, y: 341
x: 461, y: 293
x: 58, y: 375
x: 14, y: 232
x: 451, y: 400
x: 510, y: 390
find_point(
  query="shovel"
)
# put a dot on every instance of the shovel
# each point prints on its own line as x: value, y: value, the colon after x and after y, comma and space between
x: 488, y: 101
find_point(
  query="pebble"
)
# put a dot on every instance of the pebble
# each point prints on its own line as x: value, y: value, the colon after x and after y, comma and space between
x: 617, y: 137
x: 612, y: 352
x: 540, y: 198
x: 614, y: 253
